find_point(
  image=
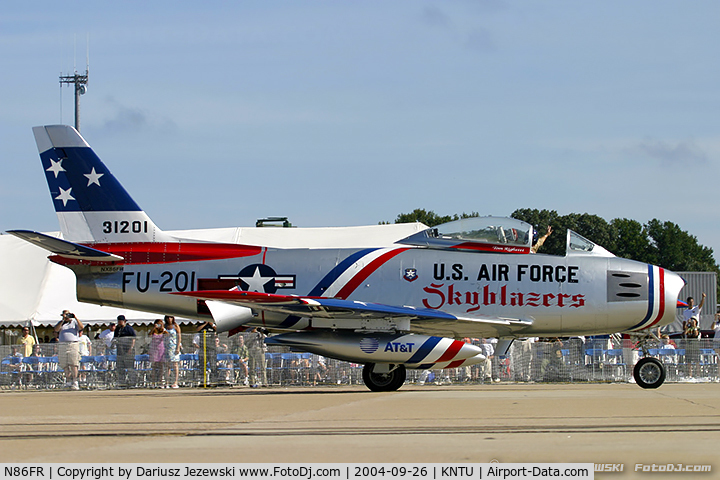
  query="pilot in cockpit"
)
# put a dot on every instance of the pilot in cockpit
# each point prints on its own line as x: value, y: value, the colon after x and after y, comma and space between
x: 538, y: 242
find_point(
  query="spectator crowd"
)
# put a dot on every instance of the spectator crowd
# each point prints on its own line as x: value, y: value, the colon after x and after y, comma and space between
x: 164, y: 356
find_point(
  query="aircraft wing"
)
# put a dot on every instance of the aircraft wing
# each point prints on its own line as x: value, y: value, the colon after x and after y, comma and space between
x: 339, y: 309
x: 64, y: 248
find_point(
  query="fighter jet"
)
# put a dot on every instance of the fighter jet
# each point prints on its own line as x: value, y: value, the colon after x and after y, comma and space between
x: 390, y: 297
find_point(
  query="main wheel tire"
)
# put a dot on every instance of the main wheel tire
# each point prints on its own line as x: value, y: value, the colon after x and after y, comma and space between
x: 384, y: 382
x: 649, y: 373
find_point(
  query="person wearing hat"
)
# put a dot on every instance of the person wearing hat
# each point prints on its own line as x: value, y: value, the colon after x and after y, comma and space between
x: 125, y: 343
x: 68, y: 330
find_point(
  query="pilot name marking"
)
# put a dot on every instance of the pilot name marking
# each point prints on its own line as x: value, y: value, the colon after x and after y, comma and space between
x: 500, y: 272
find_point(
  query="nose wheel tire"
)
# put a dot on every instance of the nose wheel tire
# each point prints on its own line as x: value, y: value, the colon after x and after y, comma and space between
x: 383, y: 382
x: 649, y: 373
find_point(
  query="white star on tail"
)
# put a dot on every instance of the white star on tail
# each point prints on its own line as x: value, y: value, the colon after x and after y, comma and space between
x: 256, y: 283
x: 55, y: 167
x: 93, y: 177
x: 65, y: 196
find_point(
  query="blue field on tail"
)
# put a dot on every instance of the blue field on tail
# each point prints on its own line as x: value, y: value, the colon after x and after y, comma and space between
x: 79, y: 181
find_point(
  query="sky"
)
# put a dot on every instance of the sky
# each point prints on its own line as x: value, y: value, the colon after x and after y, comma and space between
x: 217, y: 113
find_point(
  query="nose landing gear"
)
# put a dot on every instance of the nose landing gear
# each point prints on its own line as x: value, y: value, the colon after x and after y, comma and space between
x: 649, y: 372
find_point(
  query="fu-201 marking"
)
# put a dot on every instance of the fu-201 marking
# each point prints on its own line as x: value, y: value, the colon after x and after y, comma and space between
x: 167, y: 281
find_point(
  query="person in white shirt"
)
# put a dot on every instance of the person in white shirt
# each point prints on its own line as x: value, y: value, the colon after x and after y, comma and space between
x: 666, y: 345
x: 486, y: 367
x: 84, y: 344
x: 691, y: 316
x: 85, y: 347
x: 68, y: 330
x: 691, y: 329
x: 107, y: 336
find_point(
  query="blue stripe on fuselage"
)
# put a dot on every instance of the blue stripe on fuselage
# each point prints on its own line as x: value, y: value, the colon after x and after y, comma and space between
x: 651, y: 298
x: 424, y: 350
x: 290, y: 321
x: 333, y: 275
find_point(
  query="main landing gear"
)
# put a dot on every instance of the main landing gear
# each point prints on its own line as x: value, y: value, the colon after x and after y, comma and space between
x: 383, y: 377
x: 649, y: 372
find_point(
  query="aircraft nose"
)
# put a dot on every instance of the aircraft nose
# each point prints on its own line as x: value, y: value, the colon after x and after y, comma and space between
x: 663, y: 288
x: 673, y: 284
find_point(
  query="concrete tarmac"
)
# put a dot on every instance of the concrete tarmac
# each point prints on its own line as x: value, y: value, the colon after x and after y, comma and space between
x: 596, y: 423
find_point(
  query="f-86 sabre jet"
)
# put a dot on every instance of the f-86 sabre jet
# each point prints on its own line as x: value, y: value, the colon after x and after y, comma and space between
x: 389, y: 297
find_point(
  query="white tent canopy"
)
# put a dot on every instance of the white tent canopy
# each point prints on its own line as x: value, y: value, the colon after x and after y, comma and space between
x: 35, y: 290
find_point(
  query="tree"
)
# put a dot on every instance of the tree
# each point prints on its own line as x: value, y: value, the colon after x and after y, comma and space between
x: 678, y: 250
x: 659, y: 243
x: 430, y: 218
x: 592, y: 227
x: 632, y: 241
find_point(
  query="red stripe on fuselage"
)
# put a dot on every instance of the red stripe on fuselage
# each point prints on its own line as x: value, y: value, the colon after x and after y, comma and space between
x: 661, y: 294
x: 452, y: 350
x: 164, y: 252
x: 455, y: 364
x: 369, y: 269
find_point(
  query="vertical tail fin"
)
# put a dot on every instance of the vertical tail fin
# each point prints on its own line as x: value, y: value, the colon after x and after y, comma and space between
x: 91, y: 204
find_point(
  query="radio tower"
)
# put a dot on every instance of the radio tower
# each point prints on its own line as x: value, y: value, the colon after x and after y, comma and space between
x: 80, y: 82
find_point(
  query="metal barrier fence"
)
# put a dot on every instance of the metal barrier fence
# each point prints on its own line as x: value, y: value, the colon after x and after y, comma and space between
x: 210, y: 360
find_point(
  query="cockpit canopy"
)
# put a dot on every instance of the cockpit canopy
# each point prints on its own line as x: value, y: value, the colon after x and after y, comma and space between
x: 495, y: 234
x: 578, y: 245
x: 495, y: 230
x: 491, y: 234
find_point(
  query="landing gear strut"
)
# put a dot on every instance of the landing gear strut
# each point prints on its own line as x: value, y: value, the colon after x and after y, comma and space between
x: 649, y: 372
x: 382, y: 378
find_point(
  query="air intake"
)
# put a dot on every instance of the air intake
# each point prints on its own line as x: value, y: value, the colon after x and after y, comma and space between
x: 627, y: 286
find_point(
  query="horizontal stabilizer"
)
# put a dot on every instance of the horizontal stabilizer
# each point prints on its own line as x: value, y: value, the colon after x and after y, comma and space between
x: 64, y: 248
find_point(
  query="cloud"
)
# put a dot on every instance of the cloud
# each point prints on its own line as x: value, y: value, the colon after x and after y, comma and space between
x: 131, y: 120
x: 477, y: 39
x: 127, y: 119
x: 435, y: 17
x: 685, y: 152
x: 480, y: 40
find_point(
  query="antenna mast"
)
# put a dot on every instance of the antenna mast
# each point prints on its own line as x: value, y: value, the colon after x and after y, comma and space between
x: 80, y: 82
